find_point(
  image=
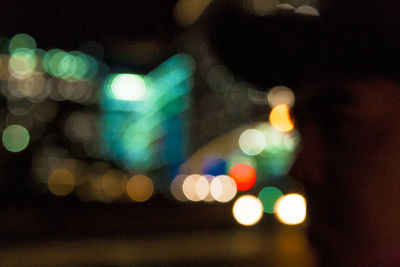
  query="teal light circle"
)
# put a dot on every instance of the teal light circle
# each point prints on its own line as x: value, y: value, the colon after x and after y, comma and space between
x: 15, y: 138
x: 268, y: 196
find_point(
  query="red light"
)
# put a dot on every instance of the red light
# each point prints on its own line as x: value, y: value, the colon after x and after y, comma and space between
x: 244, y: 176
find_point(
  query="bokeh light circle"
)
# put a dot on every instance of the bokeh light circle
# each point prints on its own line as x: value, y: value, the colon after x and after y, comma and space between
x: 114, y: 183
x: 252, y: 142
x: 279, y: 118
x: 280, y: 95
x: 247, y: 210
x: 176, y: 187
x: 15, y: 138
x: 268, y: 196
x: 21, y: 40
x: 140, y: 188
x: 195, y: 187
x: 223, y: 188
x: 61, y: 182
x: 244, y: 176
x: 291, y: 209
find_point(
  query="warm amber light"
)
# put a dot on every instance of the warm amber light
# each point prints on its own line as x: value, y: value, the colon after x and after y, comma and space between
x: 280, y: 118
x: 61, y: 182
x: 140, y: 188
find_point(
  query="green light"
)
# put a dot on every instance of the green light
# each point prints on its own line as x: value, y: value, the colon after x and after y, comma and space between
x: 22, y: 63
x: 268, y: 196
x: 21, y: 40
x: 128, y: 87
x: 82, y: 65
x: 238, y: 158
x: 15, y: 138
x: 47, y: 59
x: 57, y: 67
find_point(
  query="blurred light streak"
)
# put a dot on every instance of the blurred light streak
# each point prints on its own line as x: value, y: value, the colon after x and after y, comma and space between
x: 247, y: 210
x: 307, y: 10
x: 291, y: 209
x: 187, y: 12
x: 279, y: 118
x: 260, y: 7
x: 286, y: 6
x: 223, y: 188
x: 15, y: 138
x: 244, y: 176
x: 130, y: 129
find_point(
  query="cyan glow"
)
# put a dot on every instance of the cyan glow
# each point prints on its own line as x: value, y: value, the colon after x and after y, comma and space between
x: 143, y: 125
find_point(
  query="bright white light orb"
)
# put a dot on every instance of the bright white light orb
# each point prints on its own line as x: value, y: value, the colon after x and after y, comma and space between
x: 223, y: 188
x: 252, y: 142
x: 128, y: 87
x: 247, y: 210
x: 195, y: 187
x: 291, y: 209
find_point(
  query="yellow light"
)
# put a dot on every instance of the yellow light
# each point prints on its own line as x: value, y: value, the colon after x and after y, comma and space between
x: 22, y: 63
x: 252, y: 142
x: 61, y: 182
x: 186, y: 12
x: 114, y: 183
x: 280, y: 118
x: 247, y: 210
x: 291, y: 209
x: 223, y: 188
x: 140, y: 188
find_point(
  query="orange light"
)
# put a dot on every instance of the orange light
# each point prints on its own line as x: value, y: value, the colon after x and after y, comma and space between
x: 244, y: 175
x: 280, y: 118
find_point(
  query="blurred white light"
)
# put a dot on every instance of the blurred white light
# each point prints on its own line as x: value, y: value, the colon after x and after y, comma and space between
x: 247, y: 210
x: 223, y: 188
x: 280, y: 95
x: 195, y: 187
x: 129, y: 87
x: 291, y: 209
x: 252, y: 142
x: 202, y: 187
